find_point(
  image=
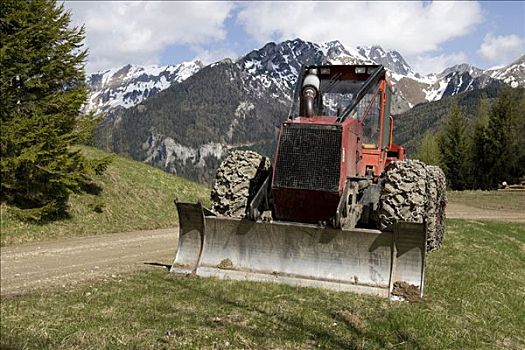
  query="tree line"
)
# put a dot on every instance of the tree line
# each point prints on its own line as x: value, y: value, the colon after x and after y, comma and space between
x: 482, y: 147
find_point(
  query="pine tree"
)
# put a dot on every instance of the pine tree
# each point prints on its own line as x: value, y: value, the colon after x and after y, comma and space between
x: 480, y: 166
x: 43, y: 90
x: 454, y: 151
x: 504, y: 140
x: 428, y: 151
x: 518, y: 136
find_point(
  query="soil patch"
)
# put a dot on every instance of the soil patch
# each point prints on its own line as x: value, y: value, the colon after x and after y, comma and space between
x: 407, y: 291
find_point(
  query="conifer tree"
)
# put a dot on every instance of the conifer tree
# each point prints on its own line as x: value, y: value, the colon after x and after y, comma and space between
x: 518, y: 136
x: 480, y: 167
x: 43, y: 90
x: 428, y: 151
x: 503, y: 144
x: 454, y: 151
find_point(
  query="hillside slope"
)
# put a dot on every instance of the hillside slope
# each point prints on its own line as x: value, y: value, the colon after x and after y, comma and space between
x: 134, y: 196
x: 188, y: 129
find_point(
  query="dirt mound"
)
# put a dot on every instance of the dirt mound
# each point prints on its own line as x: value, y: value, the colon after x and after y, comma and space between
x: 407, y: 291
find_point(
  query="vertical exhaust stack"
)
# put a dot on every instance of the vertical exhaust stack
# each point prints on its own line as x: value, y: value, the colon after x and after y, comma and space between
x: 309, y: 93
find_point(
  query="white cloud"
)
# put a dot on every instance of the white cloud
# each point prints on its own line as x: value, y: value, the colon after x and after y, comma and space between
x: 208, y: 56
x: 118, y: 33
x: 411, y: 27
x: 426, y: 64
x: 501, y: 49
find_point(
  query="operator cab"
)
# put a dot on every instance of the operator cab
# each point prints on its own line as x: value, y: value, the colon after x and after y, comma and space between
x: 356, y: 93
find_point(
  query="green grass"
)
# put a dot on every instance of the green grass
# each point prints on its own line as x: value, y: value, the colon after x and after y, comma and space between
x: 135, y: 196
x: 489, y: 199
x: 475, y: 299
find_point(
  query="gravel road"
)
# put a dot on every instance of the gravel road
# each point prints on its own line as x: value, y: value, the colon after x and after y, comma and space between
x: 68, y: 261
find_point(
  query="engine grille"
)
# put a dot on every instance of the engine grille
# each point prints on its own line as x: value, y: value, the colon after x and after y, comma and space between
x: 309, y: 157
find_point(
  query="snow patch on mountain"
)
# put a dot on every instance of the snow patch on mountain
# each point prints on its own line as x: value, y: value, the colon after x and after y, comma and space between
x: 513, y: 74
x: 129, y: 85
x: 241, y: 112
x: 434, y: 93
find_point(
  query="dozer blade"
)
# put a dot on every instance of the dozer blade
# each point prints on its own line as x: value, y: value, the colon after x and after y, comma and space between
x: 191, y: 232
x: 357, y: 260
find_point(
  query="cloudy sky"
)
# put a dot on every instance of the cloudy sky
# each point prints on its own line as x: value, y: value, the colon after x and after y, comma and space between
x: 430, y: 35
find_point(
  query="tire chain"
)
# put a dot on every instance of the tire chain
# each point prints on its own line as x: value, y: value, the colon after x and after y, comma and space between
x: 414, y: 192
x: 230, y: 193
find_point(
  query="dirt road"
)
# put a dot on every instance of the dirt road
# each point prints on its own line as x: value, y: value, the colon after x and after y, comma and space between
x: 467, y: 212
x: 67, y: 261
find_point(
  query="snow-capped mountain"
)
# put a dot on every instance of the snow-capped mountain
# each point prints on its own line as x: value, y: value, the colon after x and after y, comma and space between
x: 199, y: 113
x: 392, y: 60
x: 462, y: 68
x: 130, y: 85
x: 513, y: 74
x: 275, y: 67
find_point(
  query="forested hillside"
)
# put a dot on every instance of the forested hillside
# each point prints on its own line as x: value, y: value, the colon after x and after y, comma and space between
x: 187, y: 130
x: 412, y: 125
x: 476, y: 138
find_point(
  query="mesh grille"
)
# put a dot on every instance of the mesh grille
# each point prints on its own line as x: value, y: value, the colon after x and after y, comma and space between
x: 309, y: 158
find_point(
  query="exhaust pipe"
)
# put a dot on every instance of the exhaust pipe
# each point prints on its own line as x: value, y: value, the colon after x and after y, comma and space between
x: 309, y: 93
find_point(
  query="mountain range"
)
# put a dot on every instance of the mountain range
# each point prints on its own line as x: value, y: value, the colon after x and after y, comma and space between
x: 184, y: 118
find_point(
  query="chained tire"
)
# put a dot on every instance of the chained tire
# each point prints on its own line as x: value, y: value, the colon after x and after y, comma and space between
x: 414, y: 192
x: 438, y: 196
x: 236, y: 180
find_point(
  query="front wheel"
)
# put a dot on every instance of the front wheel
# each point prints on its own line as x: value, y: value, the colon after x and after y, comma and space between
x: 235, y: 180
x: 414, y: 192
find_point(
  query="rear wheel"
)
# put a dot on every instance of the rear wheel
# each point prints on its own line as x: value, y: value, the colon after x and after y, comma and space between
x: 414, y: 192
x: 236, y: 180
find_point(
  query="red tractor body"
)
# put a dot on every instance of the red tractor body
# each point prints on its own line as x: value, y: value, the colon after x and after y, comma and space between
x: 323, y: 215
x: 317, y: 154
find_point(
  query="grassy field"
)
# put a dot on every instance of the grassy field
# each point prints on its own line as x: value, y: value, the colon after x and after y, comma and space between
x: 475, y: 299
x: 489, y: 199
x: 135, y: 196
x: 475, y: 288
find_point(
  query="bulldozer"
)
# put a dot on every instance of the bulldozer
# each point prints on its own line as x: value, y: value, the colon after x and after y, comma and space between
x: 339, y: 206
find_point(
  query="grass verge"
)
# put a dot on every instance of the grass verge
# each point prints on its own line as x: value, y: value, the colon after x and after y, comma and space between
x: 135, y: 196
x: 475, y: 299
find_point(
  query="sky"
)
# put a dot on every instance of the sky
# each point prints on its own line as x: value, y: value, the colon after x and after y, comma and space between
x: 431, y: 35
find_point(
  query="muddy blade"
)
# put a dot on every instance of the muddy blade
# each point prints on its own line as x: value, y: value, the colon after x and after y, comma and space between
x: 358, y: 260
